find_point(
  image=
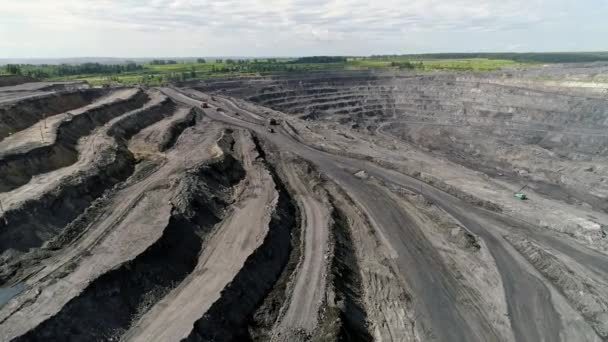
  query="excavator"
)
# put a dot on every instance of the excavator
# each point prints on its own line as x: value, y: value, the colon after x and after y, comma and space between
x: 520, y: 194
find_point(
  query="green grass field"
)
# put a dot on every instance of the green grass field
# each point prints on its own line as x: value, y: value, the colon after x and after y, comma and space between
x: 475, y: 64
x: 156, y: 74
x: 462, y: 64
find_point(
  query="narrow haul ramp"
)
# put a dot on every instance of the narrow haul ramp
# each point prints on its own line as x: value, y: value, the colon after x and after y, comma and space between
x: 22, y: 112
x: 19, y: 166
x: 44, y: 132
x: 134, y: 220
x: 440, y: 300
x: 199, y: 223
x: 309, y: 289
x: 223, y: 255
x: 99, y: 161
x: 162, y: 135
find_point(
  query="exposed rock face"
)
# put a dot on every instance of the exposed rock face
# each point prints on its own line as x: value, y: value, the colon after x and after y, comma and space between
x: 380, y: 207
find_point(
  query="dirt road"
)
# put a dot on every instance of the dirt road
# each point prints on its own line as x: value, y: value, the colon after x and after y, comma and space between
x: 135, y: 219
x: 309, y: 290
x: 45, y: 132
x: 362, y: 207
x: 34, y: 89
x: 532, y: 301
x: 223, y: 255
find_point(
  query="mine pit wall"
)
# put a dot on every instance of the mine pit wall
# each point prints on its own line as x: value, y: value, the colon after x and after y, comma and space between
x: 22, y: 114
x: 171, y: 135
x: 586, y: 295
x: 345, y: 317
x: 17, y: 170
x: 262, y: 321
x: 215, y: 86
x: 483, y: 109
x: 348, y: 99
x: 386, y: 297
x: 111, y: 303
x: 41, y: 220
x: 246, y: 87
x: 229, y: 317
x: 342, y: 313
x: 449, y: 100
x: 132, y: 124
x: 443, y: 98
x: 572, y: 188
x: 11, y: 80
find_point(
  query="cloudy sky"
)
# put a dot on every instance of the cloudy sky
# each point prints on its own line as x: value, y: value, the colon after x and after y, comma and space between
x: 180, y: 28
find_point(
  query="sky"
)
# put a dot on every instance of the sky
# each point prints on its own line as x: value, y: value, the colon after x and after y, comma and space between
x: 191, y: 28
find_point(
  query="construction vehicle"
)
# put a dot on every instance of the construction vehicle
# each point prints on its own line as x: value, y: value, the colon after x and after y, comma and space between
x: 520, y: 194
x: 273, y: 122
x: 205, y: 105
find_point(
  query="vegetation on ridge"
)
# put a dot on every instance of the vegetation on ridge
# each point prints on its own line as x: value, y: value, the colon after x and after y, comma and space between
x: 160, y: 71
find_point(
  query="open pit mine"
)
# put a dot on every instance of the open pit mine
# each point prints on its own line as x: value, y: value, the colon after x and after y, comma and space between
x: 337, y: 206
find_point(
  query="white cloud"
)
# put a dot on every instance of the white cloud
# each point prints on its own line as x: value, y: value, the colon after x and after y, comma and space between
x: 283, y: 27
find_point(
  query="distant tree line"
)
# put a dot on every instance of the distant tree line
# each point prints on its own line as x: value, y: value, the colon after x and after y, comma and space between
x: 46, y: 71
x: 320, y: 59
x: 540, y: 57
x: 111, y: 72
x: 12, y: 69
x: 96, y: 68
x: 162, y: 62
x: 243, y: 66
x: 407, y: 65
